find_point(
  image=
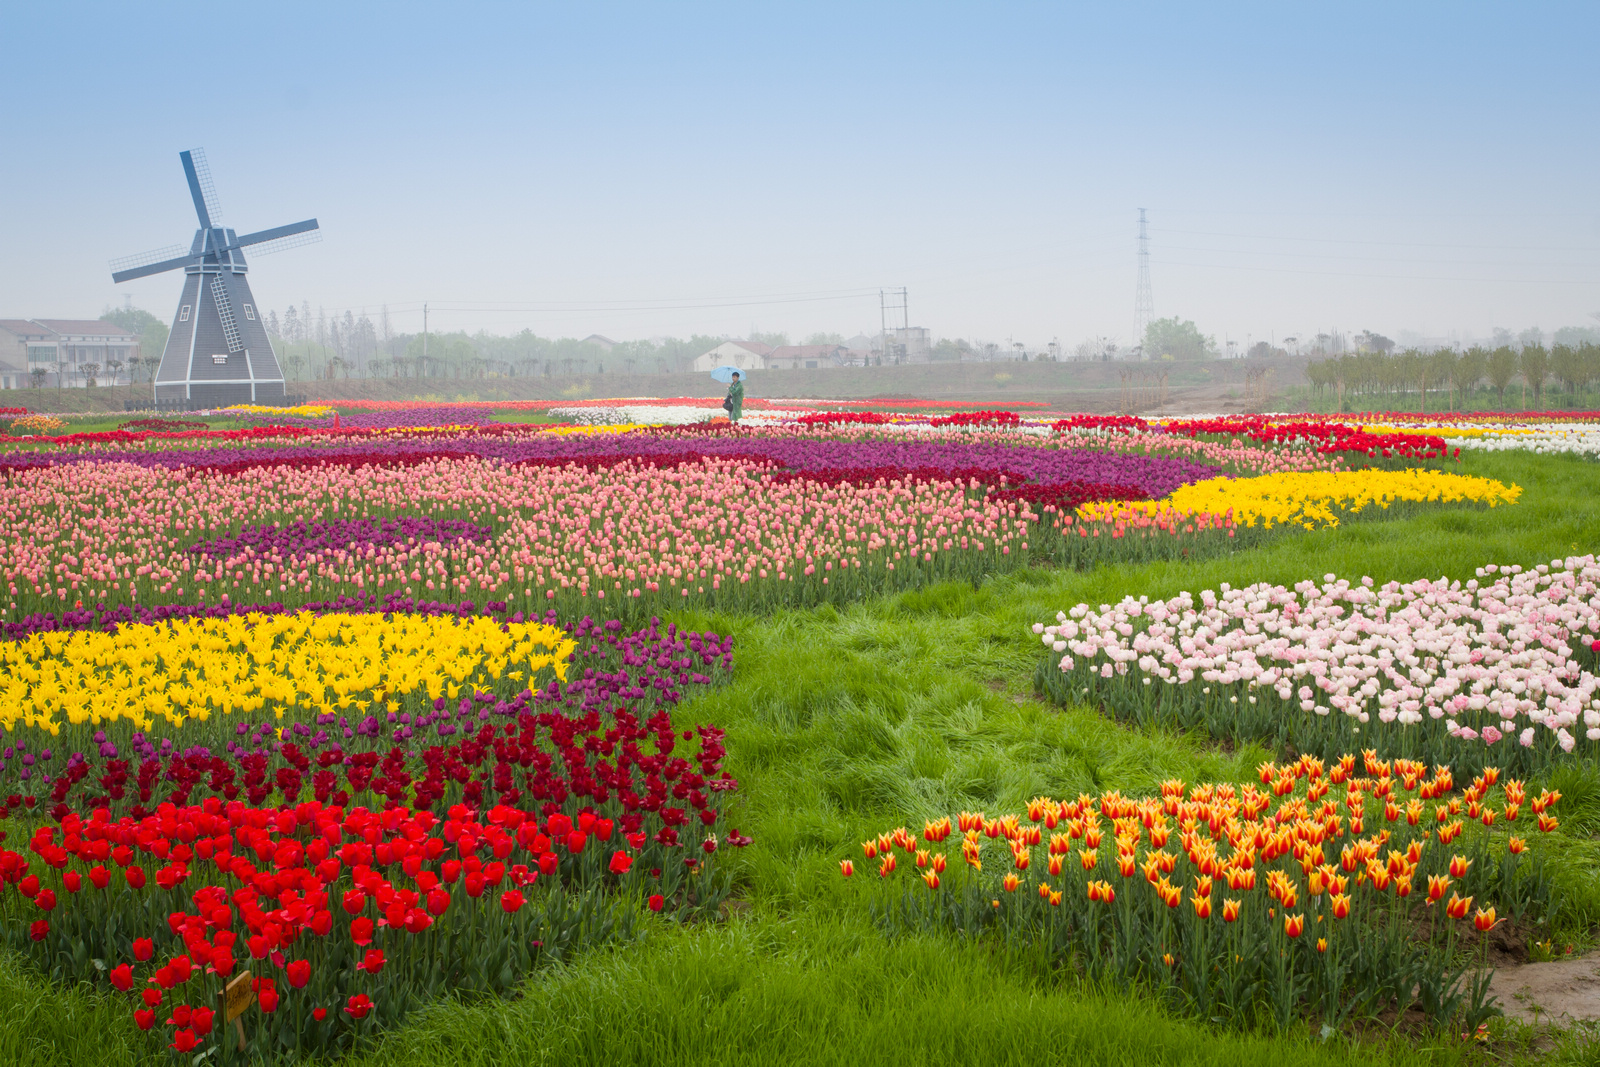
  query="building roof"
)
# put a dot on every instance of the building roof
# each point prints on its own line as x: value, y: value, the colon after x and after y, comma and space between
x: 85, y: 327
x: 599, y: 339
x: 806, y: 351
x: 750, y: 346
x: 23, y: 326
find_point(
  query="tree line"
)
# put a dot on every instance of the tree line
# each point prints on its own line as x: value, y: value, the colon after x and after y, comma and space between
x: 1457, y: 381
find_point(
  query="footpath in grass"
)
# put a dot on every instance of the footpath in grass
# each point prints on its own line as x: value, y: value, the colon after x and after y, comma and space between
x: 840, y: 722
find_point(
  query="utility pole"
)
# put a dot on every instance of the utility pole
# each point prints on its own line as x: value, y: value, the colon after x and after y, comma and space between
x: 424, y: 338
x: 1144, y: 304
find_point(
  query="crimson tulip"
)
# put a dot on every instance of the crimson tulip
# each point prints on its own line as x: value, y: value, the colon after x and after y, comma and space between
x: 184, y: 1041
x: 152, y: 997
x: 511, y: 901
x: 143, y: 948
x: 45, y: 899
x: 38, y: 929
x: 319, y: 1014
x: 657, y: 901
x: 359, y: 1005
x: 373, y: 961
x: 268, y: 999
x: 620, y: 862
x: 474, y: 884
x: 354, y: 901
x: 99, y: 877
x: 73, y: 881
x: 298, y: 973
x: 200, y: 1019
x: 438, y: 901
x: 145, y: 1018
x: 361, y: 931
x: 122, y: 977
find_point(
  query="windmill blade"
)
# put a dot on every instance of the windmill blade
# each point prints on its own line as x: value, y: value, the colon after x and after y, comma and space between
x: 279, y: 238
x: 157, y: 261
x: 208, y: 189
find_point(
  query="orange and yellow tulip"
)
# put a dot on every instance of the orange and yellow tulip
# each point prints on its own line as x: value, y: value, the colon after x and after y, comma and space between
x: 846, y: 868
x: 1458, y: 866
x: 1457, y: 907
x: 1341, y: 905
x: 1294, y: 925
x: 1230, y: 910
x: 1483, y: 919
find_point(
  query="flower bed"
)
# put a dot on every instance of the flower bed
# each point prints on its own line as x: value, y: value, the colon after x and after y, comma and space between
x: 1319, y: 498
x: 1494, y: 671
x: 1331, y: 891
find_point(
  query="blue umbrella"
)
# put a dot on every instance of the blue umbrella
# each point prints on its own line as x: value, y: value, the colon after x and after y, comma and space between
x: 725, y: 373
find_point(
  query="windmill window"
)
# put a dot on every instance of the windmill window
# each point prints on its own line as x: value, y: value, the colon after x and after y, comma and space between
x: 183, y: 316
x: 219, y: 359
x: 249, y: 312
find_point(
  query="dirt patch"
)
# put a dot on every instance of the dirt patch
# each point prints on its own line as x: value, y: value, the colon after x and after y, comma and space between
x: 1561, y: 991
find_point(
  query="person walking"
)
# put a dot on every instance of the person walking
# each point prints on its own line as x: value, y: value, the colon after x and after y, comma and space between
x: 734, y: 401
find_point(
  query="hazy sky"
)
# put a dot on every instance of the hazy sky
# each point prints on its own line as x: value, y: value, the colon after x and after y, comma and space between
x: 680, y: 168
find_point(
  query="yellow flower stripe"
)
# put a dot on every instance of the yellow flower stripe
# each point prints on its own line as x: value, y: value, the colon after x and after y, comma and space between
x: 621, y: 427
x: 198, y: 668
x: 1313, y: 498
x: 1449, y: 431
x: 304, y: 411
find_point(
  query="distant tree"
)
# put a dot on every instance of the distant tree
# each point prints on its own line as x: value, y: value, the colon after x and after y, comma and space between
x: 272, y: 324
x: 1501, y: 367
x: 1367, y: 341
x: 825, y: 339
x: 1535, y: 368
x: 773, y: 339
x: 151, y: 331
x: 949, y: 350
x: 1263, y: 350
x: 1176, y: 339
x: 1574, y: 336
x: 1469, y: 370
x: 38, y: 375
x: 1531, y: 337
x: 291, y: 324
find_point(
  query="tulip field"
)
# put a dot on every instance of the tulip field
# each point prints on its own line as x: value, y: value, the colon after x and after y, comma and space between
x: 413, y: 732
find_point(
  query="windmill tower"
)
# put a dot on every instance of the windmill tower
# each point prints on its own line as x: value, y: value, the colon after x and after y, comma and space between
x: 1144, y: 304
x: 218, y: 352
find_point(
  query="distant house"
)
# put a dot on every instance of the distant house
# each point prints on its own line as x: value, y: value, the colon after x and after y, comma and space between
x: 806, y: 357
x: 65, y: 350
x: 746, y: 355
x: 604, y: 343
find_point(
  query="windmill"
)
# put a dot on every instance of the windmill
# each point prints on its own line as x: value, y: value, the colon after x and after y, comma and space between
x: 218, y: 352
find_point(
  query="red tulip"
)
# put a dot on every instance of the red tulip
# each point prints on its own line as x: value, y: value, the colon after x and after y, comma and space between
x: 657, y: 901
x: 29, y: 886
x: 38, y: 929
x: 135, y: 877
x: 511, y: 901
x: 182, y: 968
x: 417, y: 921
x: 450, y: 870
x: 620, y: 862
x: 361, y: 931
x: 475, y: 883
x: 576, y: 840
x: 268, y: 999
x: 122, y: 977
x: 319, y: 1014
x: 200, y: 1019
x: 145, y: 1018
x: 152, y: 997
x: 549, y: 863
x: 99, y: 877
x: 45, y: 899
x: 222, y: 961
x: 354, y: 901
x: 373, y: 961
x: 298, y: 972
x: 258, y: 946
x: 143, y: 948
x: 184, y: 1041
x: 438, y: 901
x: 73, y: 881
x: 322, y: 923
x: 359, y: 1005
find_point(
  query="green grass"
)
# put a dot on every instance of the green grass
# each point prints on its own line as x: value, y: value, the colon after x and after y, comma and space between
x: 845, y: 723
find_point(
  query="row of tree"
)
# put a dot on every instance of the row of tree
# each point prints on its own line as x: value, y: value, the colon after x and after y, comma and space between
x: 1456, y: 380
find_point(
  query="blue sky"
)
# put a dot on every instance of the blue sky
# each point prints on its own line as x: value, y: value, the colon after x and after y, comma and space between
x: 679, y: 168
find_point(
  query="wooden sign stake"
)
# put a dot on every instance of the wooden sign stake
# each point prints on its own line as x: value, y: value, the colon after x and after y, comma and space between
x: 235, y: 998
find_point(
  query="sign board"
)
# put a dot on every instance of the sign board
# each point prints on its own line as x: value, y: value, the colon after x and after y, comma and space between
x: 236, y: 997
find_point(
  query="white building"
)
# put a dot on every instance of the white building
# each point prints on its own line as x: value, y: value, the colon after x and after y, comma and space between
x: 746, y: 355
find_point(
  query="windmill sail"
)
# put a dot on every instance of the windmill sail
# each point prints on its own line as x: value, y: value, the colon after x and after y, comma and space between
x: 217, y: 352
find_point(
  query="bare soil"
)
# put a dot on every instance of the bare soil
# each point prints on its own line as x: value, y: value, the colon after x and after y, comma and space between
x: 1561, y: 991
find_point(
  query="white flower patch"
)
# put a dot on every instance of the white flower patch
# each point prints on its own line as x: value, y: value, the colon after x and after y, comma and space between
x: 1498, y: 660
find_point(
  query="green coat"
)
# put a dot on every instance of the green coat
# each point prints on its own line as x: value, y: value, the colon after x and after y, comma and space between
x: 736, y: 394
